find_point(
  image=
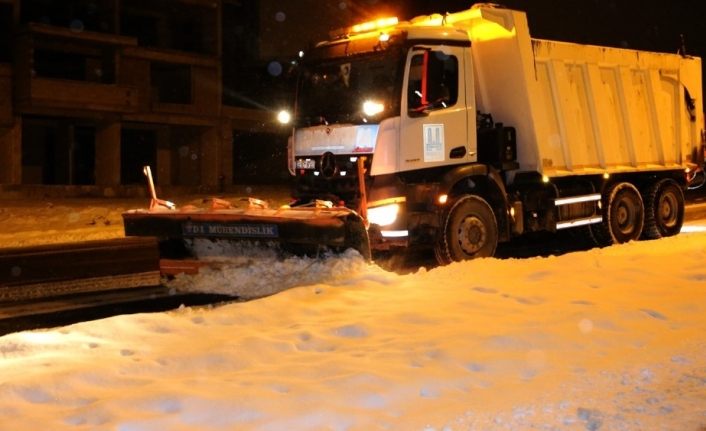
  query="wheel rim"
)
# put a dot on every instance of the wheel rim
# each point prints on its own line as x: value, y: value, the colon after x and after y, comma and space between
x: 626, y: 216
x: 667, y: 210
x: 469, y: 231
x: 471, y: 235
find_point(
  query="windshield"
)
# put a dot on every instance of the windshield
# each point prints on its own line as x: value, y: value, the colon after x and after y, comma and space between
x: 334, y: 90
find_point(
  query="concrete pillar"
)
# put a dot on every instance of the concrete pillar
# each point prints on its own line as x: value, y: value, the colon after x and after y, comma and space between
x: 108, y: 154
x: 227, y: 153
x: 211, y: 156
x: 11, y: 153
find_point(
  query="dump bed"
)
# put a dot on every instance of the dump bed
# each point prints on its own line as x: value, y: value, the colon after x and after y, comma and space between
x: 582, y: 109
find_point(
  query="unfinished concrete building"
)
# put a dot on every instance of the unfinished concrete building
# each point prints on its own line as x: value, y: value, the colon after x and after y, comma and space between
x: 92, y: 90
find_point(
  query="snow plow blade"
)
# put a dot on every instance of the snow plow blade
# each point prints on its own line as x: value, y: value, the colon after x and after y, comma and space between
x: 303, y: 230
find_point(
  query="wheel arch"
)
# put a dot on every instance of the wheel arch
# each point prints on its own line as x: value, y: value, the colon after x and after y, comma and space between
x: 483, y: 181
x: 642, y: 180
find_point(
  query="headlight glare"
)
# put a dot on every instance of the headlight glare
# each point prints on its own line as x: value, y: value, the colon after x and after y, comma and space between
x: 371, y: 108
x: 383, y: 215
x: 284, y: 117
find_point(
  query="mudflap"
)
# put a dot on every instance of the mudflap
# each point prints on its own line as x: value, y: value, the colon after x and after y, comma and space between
x: 298, y: 230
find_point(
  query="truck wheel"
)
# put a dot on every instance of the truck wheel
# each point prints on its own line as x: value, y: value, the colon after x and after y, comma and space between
x: 469, y: 231
x: 664, y: 209
x: 623, y: 216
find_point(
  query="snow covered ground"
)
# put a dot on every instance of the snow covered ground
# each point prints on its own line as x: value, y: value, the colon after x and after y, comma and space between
x: 606, y: 339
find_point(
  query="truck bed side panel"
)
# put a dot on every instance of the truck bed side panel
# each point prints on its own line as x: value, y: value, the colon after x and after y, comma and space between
x: 583, y: 109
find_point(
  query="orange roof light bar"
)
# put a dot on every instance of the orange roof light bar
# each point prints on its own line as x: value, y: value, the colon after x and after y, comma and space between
x: 365, y: 27
x: 374, y: 25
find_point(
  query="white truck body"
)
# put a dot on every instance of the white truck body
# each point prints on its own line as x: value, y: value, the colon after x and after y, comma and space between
x: 583, y: 108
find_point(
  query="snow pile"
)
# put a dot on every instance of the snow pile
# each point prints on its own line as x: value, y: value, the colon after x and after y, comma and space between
x: 33, y: 222
x: 608, y: 339
x: 249, y: 270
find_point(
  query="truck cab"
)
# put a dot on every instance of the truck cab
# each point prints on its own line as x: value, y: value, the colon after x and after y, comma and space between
x: 401, y: 103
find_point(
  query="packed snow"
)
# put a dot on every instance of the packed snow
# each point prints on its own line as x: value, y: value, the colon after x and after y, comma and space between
x: 604, y: 339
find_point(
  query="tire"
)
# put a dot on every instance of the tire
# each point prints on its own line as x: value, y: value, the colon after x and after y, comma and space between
x: 664, y: 209
x: 469, y: 231
x: 600, y: 234
x: 623, y: 216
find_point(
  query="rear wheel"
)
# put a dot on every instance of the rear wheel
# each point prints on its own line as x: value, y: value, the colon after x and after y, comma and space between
x: 623, y: 216
x: 469, y: 231
x: 664, y: 209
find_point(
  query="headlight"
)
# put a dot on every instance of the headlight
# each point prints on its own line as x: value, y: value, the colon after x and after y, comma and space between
x: 284, y: 117
x: 383, y: 215
x: 371, y: 108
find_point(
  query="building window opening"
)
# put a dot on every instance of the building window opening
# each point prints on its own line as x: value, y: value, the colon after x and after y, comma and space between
x: 171, y: 83
x: 170, y: 25
x: 59, y: 65
x: 260, y: 158
x: 138, y: 148
x: 83, y: 156
x: 92, y: 65
x: 57, y: 152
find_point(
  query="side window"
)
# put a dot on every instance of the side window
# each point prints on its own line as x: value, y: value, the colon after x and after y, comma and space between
x: 433, y: 81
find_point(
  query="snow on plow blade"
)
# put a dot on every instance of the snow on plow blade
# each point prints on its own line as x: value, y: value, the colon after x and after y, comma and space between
x: 300, y: 230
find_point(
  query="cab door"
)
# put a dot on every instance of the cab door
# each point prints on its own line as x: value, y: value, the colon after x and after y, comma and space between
x: 434, y: 113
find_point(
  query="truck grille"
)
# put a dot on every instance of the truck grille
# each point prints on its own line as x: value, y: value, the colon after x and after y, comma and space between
x: 330, y: 177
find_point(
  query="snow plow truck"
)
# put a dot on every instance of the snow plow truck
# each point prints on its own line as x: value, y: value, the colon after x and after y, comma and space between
x: 455, y: 132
